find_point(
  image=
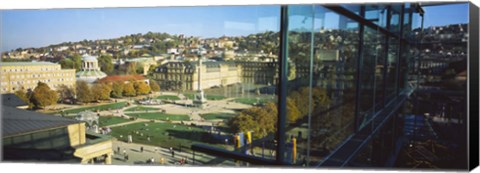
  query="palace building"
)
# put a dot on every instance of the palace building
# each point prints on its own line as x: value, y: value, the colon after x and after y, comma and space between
x: 184, y: 75
x: 26, y: 75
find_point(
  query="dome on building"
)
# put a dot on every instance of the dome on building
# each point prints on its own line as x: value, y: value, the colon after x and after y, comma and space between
x: 90, y: 71
x: 88, y: 58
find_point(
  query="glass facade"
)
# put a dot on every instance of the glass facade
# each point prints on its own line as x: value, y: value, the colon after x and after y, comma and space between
x: 349, y: 69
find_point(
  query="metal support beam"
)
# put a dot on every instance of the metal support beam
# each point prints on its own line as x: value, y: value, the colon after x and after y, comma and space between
x: 282, y: 95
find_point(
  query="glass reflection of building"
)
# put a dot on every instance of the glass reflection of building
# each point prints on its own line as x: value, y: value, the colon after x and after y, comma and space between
x: 366, y: 60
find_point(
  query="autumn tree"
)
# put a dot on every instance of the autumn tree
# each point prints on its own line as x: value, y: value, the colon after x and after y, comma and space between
x: 154, y: 86
x: 141, y: 88
x: 101, y: 91
x: 261, y: 120
x: 43, y: 96
x: 131, y: 68
x: 293, y: 114
x: 84, y: 93
x: 25, y: 96
x: 65, y: 92
x: 117, y: 89
x: 129, y: 89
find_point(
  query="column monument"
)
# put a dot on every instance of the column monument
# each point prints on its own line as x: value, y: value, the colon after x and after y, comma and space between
x: 199, y: 98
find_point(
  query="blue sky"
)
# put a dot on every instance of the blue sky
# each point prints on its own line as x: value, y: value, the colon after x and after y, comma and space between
x: 38, y: 28
x: 446, y: 14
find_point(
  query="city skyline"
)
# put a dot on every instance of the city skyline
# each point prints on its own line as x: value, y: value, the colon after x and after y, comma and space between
x: 56, y: 26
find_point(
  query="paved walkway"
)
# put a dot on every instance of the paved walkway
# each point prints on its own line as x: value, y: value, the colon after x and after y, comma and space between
x: 136, y: 156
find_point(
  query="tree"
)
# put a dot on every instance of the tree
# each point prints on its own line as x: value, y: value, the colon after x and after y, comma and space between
x: 131, y: 68
x: 65, y: 92
x: 261, y: 120
x: 129, y: 90
x: 101, y: 91
x: 105, y: 63
x: 25, y: 96
x: 141, y: 88
x: 154, y: 86
x: 43, y: 96
x: 293, y: 114
x: 77, y: 61
x: 67, y: 63
x: 84, y: 93
x: 243, y: 122
x: 117, y: 90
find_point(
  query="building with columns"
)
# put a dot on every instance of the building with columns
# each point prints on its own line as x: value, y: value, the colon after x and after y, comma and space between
x: 90, y: 71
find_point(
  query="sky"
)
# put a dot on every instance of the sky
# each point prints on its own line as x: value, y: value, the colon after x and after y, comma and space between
x: 445, y: 15
x: 38, y: 28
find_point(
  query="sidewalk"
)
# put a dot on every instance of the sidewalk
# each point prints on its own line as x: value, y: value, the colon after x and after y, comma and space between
x: 135, y: 156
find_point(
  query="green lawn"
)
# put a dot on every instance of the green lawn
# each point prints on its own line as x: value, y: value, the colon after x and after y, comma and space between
x: 106, y: 121
x: 141, y: 108
x: 160, y: 116
x: 207, y: 96
x: 251, y: 101
x: 98, y: 107
x: 217, y: 116
x: 168, y: 97
x: 164, y: 134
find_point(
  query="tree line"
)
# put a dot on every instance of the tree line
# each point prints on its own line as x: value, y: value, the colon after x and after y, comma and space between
x: 43, y: 96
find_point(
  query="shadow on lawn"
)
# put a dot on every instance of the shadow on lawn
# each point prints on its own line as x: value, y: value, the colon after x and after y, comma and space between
x: 195, y: 136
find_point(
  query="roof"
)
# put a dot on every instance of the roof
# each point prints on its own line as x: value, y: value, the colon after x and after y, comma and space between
x: 26, y: 63
x: 12, y: 100
x: 18, y: 121
x: 90, y: 73
x: 122, y: 78
x: 87, y: 57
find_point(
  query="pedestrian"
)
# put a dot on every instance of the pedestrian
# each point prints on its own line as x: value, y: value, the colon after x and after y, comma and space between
x: 173, y: 153
x: 162, y: 160
x: 118, y: 150
x: 141, y: 149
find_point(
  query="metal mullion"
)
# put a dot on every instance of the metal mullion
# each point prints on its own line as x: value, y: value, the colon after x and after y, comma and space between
x: 385, y: 61
x: 282, y: 95
x: 399, y: 54
x: 359, y: 70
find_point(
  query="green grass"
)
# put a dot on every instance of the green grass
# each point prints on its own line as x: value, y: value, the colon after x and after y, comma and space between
x: 214, y: 97
x: 160, y: 116
x: 106, y: 121
x: 207, y: 96
x: 251, y: 101
x: 168, y: 97
x: 99, y: 107
x: 164, y: 134
x: 217, y: 116
x: 141, y: 108
x: 189, y: 95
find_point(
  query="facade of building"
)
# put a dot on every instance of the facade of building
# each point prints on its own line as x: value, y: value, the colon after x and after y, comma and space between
x: 184, y: 75
x: 90, y: 71
x: 26, y: 75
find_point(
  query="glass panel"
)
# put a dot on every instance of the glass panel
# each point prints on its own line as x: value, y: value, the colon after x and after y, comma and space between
x: 299, y: 91
x: 377, y: 14
x: 391, y: 77
x: 395, y: 18
x: 371, y: 51
x: 334, y: 73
